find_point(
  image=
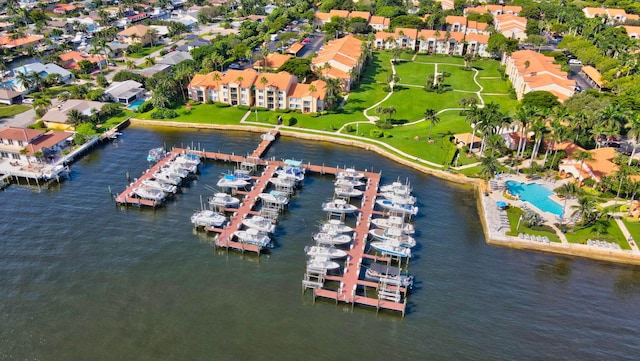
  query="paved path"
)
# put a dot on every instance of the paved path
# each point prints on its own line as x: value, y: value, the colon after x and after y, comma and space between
x: 21, y: 120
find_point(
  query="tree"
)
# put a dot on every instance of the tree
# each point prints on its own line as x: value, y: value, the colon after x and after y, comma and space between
x: 585, y: 209
x: 300, y: 67
x: 149, y: 61
x: 581, y: 156
x: 332, y: 95
x: 85, y: 66
x: 634, y: 133
x: 567, y: 190
x: 75, y: 118
x: 431, y: 116
x: 489, y: 167
x: 540, y: 99
x: 130, y: 64
x: 25, y: 80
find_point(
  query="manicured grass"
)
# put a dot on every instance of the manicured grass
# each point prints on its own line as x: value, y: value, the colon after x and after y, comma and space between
x: 487, y: 67
x: 414, y: 73
x: 11, y: 110
x: 146, y: 52
x: 506, y: 103
x: 406, y: 56
x: 494, y: 86
x: 439, y: 59
x: 202, y: 113
x: 460, y: 79
x: 633, y: 226
x: 379, y: 68
x: 613, y: 234
x: 514, y: 214
x: 410, y: 103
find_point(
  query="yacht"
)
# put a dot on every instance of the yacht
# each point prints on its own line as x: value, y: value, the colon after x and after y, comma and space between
x: 339, y: 206
x: 399, y: 198
x: 156, y: 154
x: 397, y: 187
x: 149, y: 193
x: 347, y: 192
x: 405, y: 209
x: 274, y: 197
x: 260, y: 223
x: 231, y: 181
x: 207, y: 218
x: 331, y: 238
x: 323, y: 263
x: 348, y: 182
x: 292, y: 169
x: 350, y: 173
x: 377, y: 271
x: 166, y: 177
x: 172, y: 169
x: 336, y: 226
x: 223, y: 200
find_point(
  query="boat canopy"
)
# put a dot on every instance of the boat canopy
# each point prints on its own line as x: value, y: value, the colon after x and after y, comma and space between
x: 292, y: 163
x: 385, y: 269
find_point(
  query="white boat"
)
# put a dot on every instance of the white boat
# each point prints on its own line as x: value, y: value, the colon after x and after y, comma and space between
x: 348, y: 182
x: 336, y: 226
x: 165, y: 187
x: 223, y: 200
x: 167, y: 178
x: 405, y: 209
x: 148, y: 193
x: 322, y: 263
x: 393, y: 235
x: 187, y: 166
x: 350, y: 173
x: 397, y: 187
x: 253, y: 236
x: 292, y: 169
x: 231, y: 181
x: 347, y: 191
x: 175, y: 171
x: 394, y: 222
x: 207, y: 218
x: 244, y: 174
x: 267, y: 136
x: 339, y: 206
x: 50, y: 172
x: 274, y: 197
x: 260, y: 223
x: 331, y: 238
x: 156, y: 154
x: 391, y: 249
x: 398, y: 198
x: 328, y: 252
x: 377, y: 271
x: 282, y: 182
x: 188, y: 158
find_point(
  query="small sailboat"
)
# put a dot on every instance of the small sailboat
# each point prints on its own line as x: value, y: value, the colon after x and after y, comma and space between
x: 260, y: 223
x: 339, y: 206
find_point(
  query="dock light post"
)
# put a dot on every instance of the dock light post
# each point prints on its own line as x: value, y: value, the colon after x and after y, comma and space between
x: 518, y: 226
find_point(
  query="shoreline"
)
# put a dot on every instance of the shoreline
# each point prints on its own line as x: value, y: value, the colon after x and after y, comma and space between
x: 572, y: 250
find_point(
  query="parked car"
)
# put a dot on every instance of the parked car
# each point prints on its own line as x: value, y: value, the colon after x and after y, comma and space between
x: 235, y: 66
x: 306, y: 41
x: 27, y: 101
x: 578, y: 88
x: 575, y: 61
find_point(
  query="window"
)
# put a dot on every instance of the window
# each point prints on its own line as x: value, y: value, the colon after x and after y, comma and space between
x: 15, y: 156
x: 10, y: 141
x: 4, y: 155
x: 260, y: 97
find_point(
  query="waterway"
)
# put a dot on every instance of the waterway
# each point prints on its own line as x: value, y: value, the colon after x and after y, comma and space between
x: 83, y: 279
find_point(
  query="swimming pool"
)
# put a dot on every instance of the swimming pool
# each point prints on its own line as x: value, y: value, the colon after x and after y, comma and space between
x: 536, y: 194
x: 135, y: 104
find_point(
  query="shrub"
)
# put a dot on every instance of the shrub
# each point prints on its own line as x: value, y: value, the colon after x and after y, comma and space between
x: 243, y: 107
x: 313, y: 115
x: 163, y: 114
x: 388, y: 135
x: 163, y: 52
x: 383, y: 125
x: 290, y: 121
x: 350, y: 128
x: 446, y: 74
x: 376, y: 133
x: 145, y: 107
x: 37, y: 125
x: 209, y: 101
x: 170, y: 114
x: 222, y: 105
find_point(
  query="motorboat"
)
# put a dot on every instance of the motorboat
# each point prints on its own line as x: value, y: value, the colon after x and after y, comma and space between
x: 331, y: 238
x: 231, y: 181
x: 377, y: 271
x: 391, y: 249
x: 328, y: 252
x: 184, y: 164
x: 282, y: 182
x: 156, y: 154
x: 405, y: 209
x: 260, y: 223
x: 50, y: 172
x: 348, y: 182
x: 350, y: 173
x: 165, y: 187
x: 347, y: 192
x: 339, y: 206
x: 167, y: 177
x: 397, y: 187
x: 399, y: 198
x: 274, y: 197
x: 292, y: 169
x: 323, y: 263
x: 174, y: 170
x: 223, y: 200
x: 243, y: 174
x: 393, y: 235
x: 336, y: 226
x: 188, y: 158
x: 207, y: 218
x: 267, y: 136
x: 253, y: 236
x: 394, y: 222
x: 149, y: 193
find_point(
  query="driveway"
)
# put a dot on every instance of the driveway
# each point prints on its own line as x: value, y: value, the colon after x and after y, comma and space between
x: 313, y: 47
x: 21, y: 120
x: 580, y: 79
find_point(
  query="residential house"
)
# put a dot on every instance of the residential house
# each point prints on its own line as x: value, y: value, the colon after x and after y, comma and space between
x: 308, y: 98
x: 511, y: 26
x: 135, y: 34
x: 61, y: 24
x: 56, y: 118
x: 193, y: 42
x: 273, y: 61
x: 235, y: 87
x: 21, y: 43
x: 608, y: 15
x: 9, y: 97
x: 531, y: 71
x: 14, y: 140
x: 340, y: 59
x: 601, y: 164
x: 43, y: 70
x: 125, y: 92
x: 468, y: 140
x: 175, y: 58
x: 379, y: 23
x: 70, y: 59
x: 154, y: 69
x: 447, y: 4
x: 63, y: 9
x: 632, y: 31
x: 137, y: 17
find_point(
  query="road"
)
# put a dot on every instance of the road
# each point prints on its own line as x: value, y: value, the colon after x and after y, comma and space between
x: 580, y: 79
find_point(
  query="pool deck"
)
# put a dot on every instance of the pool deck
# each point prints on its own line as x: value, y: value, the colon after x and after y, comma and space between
x: 496, y: 228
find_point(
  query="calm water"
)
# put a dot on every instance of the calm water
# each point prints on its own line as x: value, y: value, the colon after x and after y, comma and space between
x: 82, y: 279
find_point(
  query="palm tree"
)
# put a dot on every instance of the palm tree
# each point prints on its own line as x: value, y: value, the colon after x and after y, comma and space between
x: 130, y: 64
x: 581, y: 156
x: 567, y: 190
x: 25, y: 80
x: 75, y: 118
x: 149, y: 61
x: 431, y: 116
x: 539, y: 128
x: 264, y: 51
x: 216, y: 77
x: 585, y: 209
x: 152, y: 33
x: 634, y: 133
x: 395, y: 53
x: 490, y: 166
x: 524, y: 116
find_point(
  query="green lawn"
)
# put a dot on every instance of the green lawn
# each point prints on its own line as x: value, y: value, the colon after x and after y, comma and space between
x: 203, y: 113
x: 506, y: 103
x: 11, y: 110
x: 487, y: 67
x: 439, y: 59
x: 613, y: 234
x: 379, y: 68
x: 146, y: 52
x: 421, y: 100
x: 414, y: 73
x: 633, y: 226
x: 460, y: 79
x: 514, y: 214
x: 494, y: 86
